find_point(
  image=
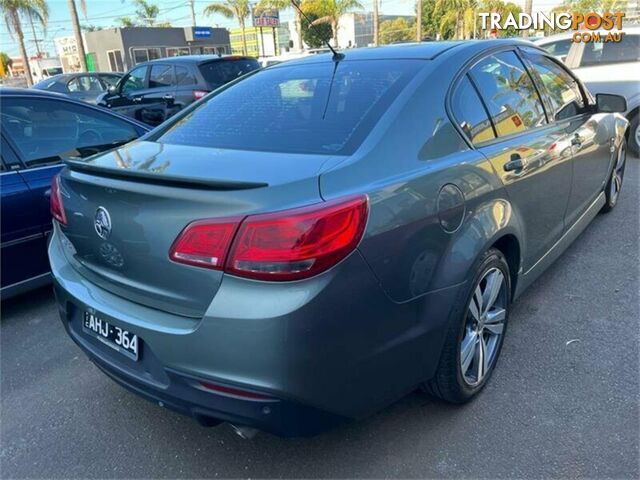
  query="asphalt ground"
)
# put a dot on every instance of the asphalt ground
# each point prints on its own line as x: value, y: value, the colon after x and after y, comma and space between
x: 563, y: 402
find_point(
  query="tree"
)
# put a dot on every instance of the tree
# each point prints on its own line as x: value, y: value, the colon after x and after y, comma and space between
x: 330, y: 11
x: 397, y: 31
x: 315, y: 36
x: 282, y: 5
x: 126, y: 22
x: 6, y: 61
x: 146, y: 12
x: 12, y: 11
x: 90, y: 28
x: 77, y: 32
x: 238, y: 9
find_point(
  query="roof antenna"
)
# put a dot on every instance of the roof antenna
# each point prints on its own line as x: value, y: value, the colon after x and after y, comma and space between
x: 337, y: 56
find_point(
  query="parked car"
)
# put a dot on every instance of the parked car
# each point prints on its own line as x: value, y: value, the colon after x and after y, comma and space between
x: 315, y: 241
x: 38, y: 130
x: 154, y: 91
x: 81, y: 86
x: 612, y: 67
x: 557, y: 45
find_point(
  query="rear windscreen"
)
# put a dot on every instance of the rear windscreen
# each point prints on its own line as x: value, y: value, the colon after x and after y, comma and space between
x: 220, y: 72
x: 315, y: 108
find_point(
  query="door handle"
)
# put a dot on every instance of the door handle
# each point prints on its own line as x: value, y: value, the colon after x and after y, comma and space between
x: 137, y: 99
x: 168, y: 97
x: 514, y: 164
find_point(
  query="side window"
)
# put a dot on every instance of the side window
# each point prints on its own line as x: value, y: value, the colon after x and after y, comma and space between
x: 470, y: 114
x: 45, y: 131
x: 184, y: 76
x: 508, y: 93
x: 110, y: 80
x: 84, y: 84
x: 134, y: 80
x: 559, y: 48
x: 559, y: 87
x: 161, y: 76
x: 600, y: 53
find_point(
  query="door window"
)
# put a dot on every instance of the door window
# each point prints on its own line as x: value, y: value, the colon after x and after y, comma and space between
x: 184, y: 76
x: 603, y: 53
x: 45, y: 131
x: 134, y: 80
x: 178, y: 51
x: 560, y: 88
x: 110, y: 80
x: 559, y: 48
x: 84, y: 84
x: 161, y: 76
x: 470, y: 114
x: 509, y: 94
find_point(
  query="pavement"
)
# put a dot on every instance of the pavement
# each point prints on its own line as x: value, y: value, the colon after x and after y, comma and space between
x: 563, y: 402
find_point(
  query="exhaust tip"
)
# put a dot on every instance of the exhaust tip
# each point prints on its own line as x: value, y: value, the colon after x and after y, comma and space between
x: 246, y: 433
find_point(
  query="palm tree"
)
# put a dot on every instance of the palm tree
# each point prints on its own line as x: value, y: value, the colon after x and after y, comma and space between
x: 282, y: 5
x: 147, y: 12
x: 77, y: 32
x: 330, y: 11
x: 238, y: 9
x: 13, y: 10
x: 126, y: 22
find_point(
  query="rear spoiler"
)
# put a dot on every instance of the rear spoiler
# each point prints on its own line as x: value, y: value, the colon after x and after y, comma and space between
x: 159, y: 179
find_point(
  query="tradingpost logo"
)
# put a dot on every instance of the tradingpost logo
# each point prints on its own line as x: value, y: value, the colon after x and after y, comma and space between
x: 584, y: 25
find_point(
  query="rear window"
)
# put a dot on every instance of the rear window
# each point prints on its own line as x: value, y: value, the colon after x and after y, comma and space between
x: 223, y: 71
x: 297, y: 109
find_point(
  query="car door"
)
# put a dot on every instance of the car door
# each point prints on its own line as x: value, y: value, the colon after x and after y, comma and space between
x: 128, y: 96
x: 85, y: 87
x: 158, y: 100
x: 529, y: 154
x: 187, y: 89
x: 23, y: 242
x: 591, y: 138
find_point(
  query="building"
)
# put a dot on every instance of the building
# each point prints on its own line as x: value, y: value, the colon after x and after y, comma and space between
x: 119, y: 49
x: 356, y: 29
x: 261, y: 41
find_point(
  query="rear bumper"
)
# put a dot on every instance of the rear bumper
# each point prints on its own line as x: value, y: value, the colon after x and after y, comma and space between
x: 325, y: 349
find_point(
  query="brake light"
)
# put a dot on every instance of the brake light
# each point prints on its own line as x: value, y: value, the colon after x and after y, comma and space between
x: 235, y: 392
x: 55, y: 201
x: 198, y: 94
x: 204, y: 243
x: 286, y: 245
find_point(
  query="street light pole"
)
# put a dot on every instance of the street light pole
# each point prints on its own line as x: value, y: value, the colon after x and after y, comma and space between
x: 376, y: 23
x: 528, y: 7
x: 193, y: 13
x: 419, y: 20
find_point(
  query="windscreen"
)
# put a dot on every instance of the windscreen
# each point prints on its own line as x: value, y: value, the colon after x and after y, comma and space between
x: 314, y: 108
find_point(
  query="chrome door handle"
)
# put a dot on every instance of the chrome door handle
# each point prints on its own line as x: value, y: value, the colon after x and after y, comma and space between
x: 514, y: 164
x: 137, y: 99
x: 168, y: 97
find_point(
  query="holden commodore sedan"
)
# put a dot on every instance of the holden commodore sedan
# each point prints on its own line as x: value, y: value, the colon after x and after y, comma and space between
x: 308, y: 245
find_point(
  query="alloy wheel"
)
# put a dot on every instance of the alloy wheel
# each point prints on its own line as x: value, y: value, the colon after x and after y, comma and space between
x: 616, y: 176
x: 484, y: 327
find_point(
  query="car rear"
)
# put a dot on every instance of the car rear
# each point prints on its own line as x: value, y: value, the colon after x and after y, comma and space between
x: 217, y: 72
x: 203, y: 269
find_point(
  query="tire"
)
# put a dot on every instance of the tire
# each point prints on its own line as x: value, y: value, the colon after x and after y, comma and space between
x: 450, y: 382
x: 634, y: 134
x: 614, y: 185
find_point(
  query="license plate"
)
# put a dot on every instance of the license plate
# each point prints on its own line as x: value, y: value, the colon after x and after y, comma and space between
x: 115, y: 337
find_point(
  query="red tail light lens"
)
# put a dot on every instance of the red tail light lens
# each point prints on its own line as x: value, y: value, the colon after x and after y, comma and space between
x: 298, y: 243
x: 287, y: 245
x: 198, y: 94
x: 204, y: 243
x: 55, y: 201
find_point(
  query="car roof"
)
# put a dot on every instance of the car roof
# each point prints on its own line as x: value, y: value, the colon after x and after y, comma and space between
x: 418, y: 51
x: 197, y: 59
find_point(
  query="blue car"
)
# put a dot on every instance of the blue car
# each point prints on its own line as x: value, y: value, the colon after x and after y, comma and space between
x: 39, y: 129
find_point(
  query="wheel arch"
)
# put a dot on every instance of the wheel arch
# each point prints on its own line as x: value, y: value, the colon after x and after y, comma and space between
x: 509, y: 245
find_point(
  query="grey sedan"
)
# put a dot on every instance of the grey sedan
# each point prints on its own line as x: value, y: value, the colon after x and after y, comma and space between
x: 309, y: 244
x: 81, y: 86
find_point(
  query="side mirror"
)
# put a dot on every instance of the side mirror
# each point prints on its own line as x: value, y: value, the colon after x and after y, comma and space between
x: 609, y: 103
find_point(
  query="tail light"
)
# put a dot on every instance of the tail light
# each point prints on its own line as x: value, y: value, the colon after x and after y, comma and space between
x: 55, y: 201
x: 198, y: 94
x: 286, y: 245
